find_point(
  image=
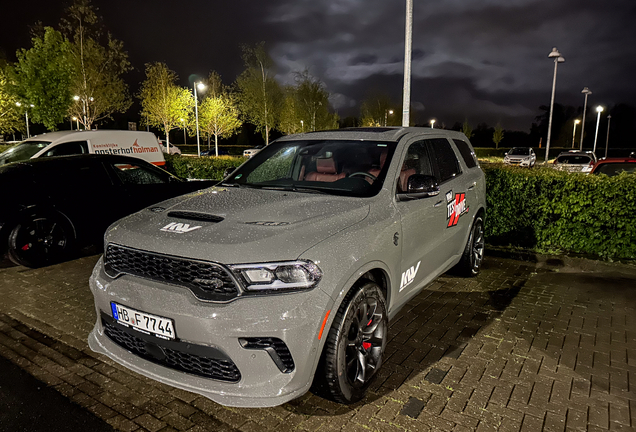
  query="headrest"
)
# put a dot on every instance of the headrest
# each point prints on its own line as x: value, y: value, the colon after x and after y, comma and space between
x: 326, y: 166
x: 383, y: 157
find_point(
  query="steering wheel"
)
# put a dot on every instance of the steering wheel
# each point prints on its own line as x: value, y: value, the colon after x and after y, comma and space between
x: 364, y: 174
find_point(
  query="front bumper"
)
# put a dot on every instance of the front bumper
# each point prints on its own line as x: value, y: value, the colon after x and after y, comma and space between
x: 219, y: 329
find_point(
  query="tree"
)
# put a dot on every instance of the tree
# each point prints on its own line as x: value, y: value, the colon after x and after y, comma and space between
x: 42, y: 77
x: 467, y: 129
x: 498, y: 135
x: 9, y: 117
x: 163, y: 102
x: 306, y: 106
x: 98, y: 62
x: 376, y: 111
x: 219, y: 117
x: 260, y: 96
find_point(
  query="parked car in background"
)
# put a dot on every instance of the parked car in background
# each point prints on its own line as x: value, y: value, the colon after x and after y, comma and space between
x: 614, y: 166
x: 212, y: 152
x: 52, y: 206
x: 521, y: 156
x: 575, y: 161
x: 143, y: 145
x: 251, y: 152
x: 290, y: 269
x: 173, y: 148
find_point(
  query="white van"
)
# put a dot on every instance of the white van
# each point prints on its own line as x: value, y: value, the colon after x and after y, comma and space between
x: 143, y: 145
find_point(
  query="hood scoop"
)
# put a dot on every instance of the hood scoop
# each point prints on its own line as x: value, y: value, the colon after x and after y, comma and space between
x: 195, y: 216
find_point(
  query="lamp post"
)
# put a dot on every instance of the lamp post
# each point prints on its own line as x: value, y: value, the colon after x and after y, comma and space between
x: 184, y: 131
x: 574, y: 131
x: 200, y: 86
x: 77, y: 120
x: 26, y: 117
x: 586, y: 91
x: 432, y: 123
x: 556, y: 55
x: 609, y: 117
x: 408, y: 40
x: 84, y: 106
x: 302, y: 126
x: 599, y: 110
x: 386, y: 115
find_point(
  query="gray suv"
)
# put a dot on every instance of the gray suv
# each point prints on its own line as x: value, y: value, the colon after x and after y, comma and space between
x: 288, y: 272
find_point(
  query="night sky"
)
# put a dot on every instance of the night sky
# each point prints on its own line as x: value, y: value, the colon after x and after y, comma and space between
x: 475, y: 60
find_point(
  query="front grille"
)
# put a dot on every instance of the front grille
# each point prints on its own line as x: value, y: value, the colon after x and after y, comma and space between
x: 197, y: 360
x: 276, y: 349
x: 207, y: 280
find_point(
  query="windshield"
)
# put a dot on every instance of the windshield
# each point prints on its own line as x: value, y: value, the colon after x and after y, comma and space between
x: 612, y: 169
x: 574, y: 159
x: 339, y: 167
x: 23, y: 151
x: 519, y: 151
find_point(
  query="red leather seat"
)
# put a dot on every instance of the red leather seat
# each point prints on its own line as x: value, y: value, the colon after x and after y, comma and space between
x: 325, y: 171
x: 376, y: 171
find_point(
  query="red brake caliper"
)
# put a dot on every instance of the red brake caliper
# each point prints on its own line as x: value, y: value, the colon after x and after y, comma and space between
x: 366, y: 345
x: 26, y: 247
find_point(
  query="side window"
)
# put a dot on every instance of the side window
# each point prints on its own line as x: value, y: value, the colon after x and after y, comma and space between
x: 135, y: 174
x: 444, y: 159
x: 67, y: 149
x: 417, y: 161
x: 467, y: 153
x: 75, y: 177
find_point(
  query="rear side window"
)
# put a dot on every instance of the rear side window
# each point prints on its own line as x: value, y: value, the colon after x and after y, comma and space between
x: 68, y: 149
x: 467, y: 153
x: 444, y: 159
x: 135, y: 174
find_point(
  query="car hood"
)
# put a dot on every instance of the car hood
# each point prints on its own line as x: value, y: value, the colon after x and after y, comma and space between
x: 245, y: 225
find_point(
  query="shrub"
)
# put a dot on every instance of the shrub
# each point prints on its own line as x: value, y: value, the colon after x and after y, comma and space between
x: 201, y: 168
x: 552, y: 211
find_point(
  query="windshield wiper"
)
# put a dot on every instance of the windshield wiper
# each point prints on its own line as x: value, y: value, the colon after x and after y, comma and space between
x: 291, y: 188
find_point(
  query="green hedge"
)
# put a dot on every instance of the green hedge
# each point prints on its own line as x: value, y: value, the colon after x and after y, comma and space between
x: 201, y: 168
x: 550, y: 211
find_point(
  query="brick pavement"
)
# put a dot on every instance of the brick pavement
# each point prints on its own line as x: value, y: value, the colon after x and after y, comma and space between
x: 522, y: 347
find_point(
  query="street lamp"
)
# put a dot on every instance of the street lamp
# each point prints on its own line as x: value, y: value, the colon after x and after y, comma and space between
x: 302, y: 126
x: 184, y: 132
x: 556, y: 55
x: 84, y: 105
x: 432, y: 123
x: 609, y: 117
x: 574, y: 131
x: 77, y: 120
x: 200, y: 86
x: 408, y: 42
x: 586, y: 91
x: 26, y: 117
x: 386, y: 115
x: 599, y: 110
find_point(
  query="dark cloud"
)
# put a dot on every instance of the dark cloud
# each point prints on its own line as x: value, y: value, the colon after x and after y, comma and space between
x: 484, y: 60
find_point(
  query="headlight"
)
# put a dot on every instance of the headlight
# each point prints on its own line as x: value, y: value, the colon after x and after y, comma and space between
x: 278, y: 276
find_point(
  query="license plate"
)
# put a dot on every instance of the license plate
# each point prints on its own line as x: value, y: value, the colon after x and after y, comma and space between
x: 144, y: 322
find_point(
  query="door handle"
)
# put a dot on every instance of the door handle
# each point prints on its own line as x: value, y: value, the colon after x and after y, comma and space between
x: 438, y: 203
x: 471, y: 187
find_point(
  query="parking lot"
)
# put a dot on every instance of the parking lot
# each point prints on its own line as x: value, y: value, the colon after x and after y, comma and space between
x: 524, y: 346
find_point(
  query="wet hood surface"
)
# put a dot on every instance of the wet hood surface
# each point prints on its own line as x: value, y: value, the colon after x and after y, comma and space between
x: 248, y: 225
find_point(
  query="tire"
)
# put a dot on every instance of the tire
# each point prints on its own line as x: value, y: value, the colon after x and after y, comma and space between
x: 470, y: 263
x: 40, y: 240
x: 355, y: 344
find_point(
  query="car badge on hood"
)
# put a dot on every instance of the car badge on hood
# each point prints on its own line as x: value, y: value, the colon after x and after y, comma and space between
x: 178, y: 228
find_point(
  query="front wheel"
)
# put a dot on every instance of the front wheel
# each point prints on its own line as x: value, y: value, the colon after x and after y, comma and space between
x: 470, y: 263
x: 39, y: 240
x: 356, y: 343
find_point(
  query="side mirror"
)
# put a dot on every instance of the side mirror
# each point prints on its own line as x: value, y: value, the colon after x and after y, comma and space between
x: 228, y: 172
x: 420, y: 186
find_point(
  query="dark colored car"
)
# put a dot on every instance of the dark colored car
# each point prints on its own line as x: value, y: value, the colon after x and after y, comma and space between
x: 615, y: 166
x: 52, y: 206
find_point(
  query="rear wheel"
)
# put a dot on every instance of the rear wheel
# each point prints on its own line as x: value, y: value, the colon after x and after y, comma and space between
x: 470, y: 263
x: 40, y: 240
x: 356, y: 343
